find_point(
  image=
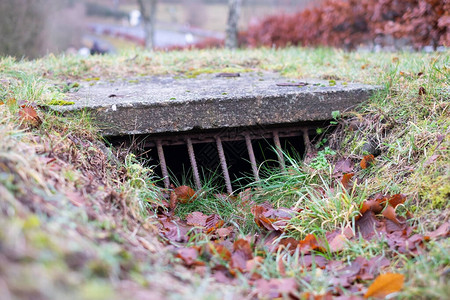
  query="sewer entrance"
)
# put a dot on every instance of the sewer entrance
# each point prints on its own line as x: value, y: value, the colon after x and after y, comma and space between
x: 227, y: 125
x: 229, y: 158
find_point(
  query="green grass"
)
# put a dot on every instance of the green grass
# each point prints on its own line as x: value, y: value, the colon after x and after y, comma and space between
x: 411, y: 131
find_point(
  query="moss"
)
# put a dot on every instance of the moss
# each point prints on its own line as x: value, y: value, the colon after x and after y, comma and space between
x: 435, y: 190
x: 60, y: 102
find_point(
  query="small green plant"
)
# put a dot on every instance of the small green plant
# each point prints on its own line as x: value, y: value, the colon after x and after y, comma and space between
x: 320, y: 162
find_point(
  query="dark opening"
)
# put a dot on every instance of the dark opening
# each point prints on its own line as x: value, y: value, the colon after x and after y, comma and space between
x: 236, y: 154
x: 235, y: 149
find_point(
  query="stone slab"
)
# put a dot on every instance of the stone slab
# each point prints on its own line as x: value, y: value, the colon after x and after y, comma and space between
x: 169, y: 104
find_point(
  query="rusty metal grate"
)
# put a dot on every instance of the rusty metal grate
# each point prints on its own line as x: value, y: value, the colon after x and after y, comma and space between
x: 216, y: 147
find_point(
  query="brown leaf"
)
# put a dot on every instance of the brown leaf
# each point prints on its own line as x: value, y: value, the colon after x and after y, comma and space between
x: 310, y: 243
x: 366, y: 225
x: 343, y: 166
x: 338, y: 243
x: 254, y: 263
x: 442, y: 231
x: 385, y: 284
x: 367, y: 161
x: 224, y: 232
x: 188, y: 255
x: 389, y: 213
x: 346, y: 179
x: 185, y: 194
x: 173, y: 200
x: 422, y: 91
x: 220, y: 250
x: 213, y: 222
x: 196, y: 218
x: 372, y: 205
x: 395, y: 200
x: 275, y: 287
x: 242, y: 252
x: 29, y: 116
x: 261, y: 220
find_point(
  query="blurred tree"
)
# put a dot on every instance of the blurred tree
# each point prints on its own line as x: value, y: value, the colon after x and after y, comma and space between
x: 22, y: 27
x: 148, y: 12
x: 231, y: 40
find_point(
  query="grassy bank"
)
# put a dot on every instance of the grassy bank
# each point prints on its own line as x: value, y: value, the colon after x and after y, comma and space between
x: 78, y: 216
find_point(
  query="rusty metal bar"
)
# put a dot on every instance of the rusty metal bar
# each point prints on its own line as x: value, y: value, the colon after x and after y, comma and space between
x: 251, y: 154
x: 276, y: 140
x: 198, y: 183
x: 223, y: 163
x: 162, y: 161
x: 308, y: 147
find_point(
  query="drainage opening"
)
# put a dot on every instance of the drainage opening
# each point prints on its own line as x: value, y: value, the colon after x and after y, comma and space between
x: 226, y: 159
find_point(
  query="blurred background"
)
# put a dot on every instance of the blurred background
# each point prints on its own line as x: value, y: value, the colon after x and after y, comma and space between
x: 33, y: 28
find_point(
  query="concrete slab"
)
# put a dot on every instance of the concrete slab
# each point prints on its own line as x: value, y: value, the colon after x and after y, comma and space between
x: 168, y: 104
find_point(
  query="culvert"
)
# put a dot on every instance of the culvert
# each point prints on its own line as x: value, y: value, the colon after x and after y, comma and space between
x: 216, y: 121
x: 234, y: 153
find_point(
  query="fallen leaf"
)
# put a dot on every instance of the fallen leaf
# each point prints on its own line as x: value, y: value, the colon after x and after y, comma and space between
x: 188, y: 255
x: 389, y: 213
x: 275, y: 287
x: 346, y: 179
x: 422, y: 91
x: 261, y: 220
x: 385, y: 284
x: 220, y: 250
x: 213, y: 222
x: 442, y: 231
x: 372, y: 205
x: 338, y: 243
x: 366, y: 225
x: 224, y: 232
x: 367, y: 161
x: 242, y: 252
x: 185, y: 194
x: 343, y: 166
x: 395, y: 200
x: 196, y: 218
x: 310, y: 243
x: 29, y: 116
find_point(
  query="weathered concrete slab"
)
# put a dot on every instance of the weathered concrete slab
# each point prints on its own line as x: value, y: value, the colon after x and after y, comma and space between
x: 167, y: 104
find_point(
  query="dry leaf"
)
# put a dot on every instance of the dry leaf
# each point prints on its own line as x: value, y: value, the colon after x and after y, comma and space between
x: 346, y: 179
x: 185, y: 194
x: 385, y: 284
x: 188, y: 255
x: 29, y: 116
x: 220, y: 250
x: 196, y: 218
x: 367, y: 161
